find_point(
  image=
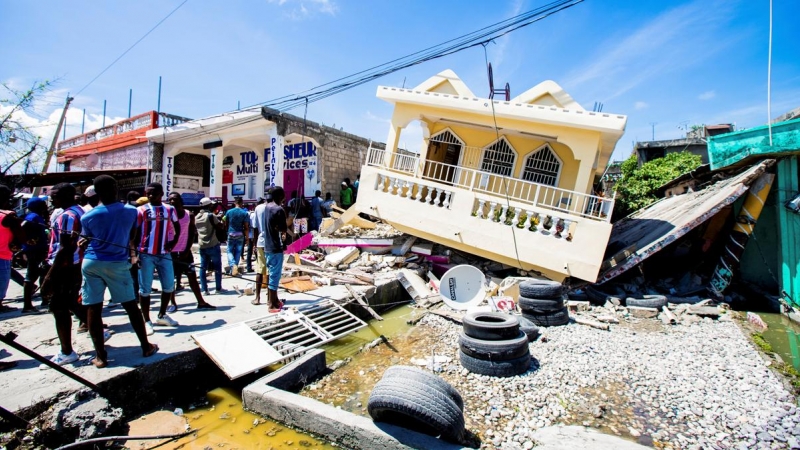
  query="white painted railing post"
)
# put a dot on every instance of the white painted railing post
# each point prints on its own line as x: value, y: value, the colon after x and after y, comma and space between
x: 379, y: 186
x: 480, y: 208
x: 516, y: 217
x: 431, y: 191
x: 396, y: 185
x: 502, y: 217
x: 407, y: 193
x: 447, y: 195
x: 419, y: 193
x: 410, y: 193
x: 492, y: 207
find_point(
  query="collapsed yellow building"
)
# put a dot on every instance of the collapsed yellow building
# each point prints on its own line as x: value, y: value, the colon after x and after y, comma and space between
x: 510, y: 181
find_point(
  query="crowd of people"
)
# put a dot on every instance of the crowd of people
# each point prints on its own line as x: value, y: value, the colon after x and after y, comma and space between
x: 92, y: 243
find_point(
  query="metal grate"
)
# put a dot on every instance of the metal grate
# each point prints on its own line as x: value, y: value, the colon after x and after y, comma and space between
x: 277, y: 337
x: 499, y: 158
x: 542, y: 166
x: 446, y: 137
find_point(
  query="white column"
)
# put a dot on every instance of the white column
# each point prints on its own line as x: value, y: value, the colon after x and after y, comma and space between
x: 167, y: 171
x: 215, y: 184
x: 446, y: 203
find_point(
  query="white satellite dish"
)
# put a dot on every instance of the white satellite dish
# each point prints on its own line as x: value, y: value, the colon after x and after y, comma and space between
x: 92, y: 160
x: 462, y: 287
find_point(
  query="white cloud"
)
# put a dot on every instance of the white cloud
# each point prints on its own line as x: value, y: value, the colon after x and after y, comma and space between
x: 665, y: 44
x: 640, y: 105
x: 707, y: 95
x: 301, y: 9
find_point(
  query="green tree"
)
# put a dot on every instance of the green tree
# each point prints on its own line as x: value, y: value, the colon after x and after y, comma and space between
x: 635, y: 190
x: 18, y: 142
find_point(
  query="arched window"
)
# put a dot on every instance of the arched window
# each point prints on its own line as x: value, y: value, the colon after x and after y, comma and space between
x: 499, y: 158
x: 542, y: 166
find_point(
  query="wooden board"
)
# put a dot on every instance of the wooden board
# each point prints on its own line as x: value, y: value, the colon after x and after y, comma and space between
x: 298, y: 284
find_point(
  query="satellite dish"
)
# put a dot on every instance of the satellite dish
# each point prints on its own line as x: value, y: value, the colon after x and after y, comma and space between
x: 92, y: 160
x: 462, y: 287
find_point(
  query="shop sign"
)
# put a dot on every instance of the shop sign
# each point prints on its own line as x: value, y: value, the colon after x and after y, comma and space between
x: 299, y: 156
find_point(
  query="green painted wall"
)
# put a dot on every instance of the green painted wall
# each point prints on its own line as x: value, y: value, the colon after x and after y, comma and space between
x: 731, y: 148
x: 765, y: 237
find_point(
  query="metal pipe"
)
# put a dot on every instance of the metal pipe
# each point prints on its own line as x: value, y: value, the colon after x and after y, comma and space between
x: 158, y: 106
x: 83, y: 121
x: 104, y: 114
x: 8, y: 339
x: 130, y: 100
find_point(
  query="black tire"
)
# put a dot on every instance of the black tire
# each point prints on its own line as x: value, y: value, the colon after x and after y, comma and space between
x: 416, y: 406
x: 549, y: 319
x: 541, y: 289
x: 529, y: 328
x: 647, y: 301
x: 491, y: 326
x: 508, y: 368
x: 541, y: 304
x: 494, y: 350
x: 425, y: 377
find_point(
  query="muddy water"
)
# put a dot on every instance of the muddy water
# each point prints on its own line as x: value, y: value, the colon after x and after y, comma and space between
x: 394, y: 324
x: 222, y: 423
x: 784, y: 337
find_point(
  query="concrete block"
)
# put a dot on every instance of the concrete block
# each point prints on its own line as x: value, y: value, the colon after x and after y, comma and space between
x: 295, y: 375
x: 645, y: 313
x: 342, y: 256
x: 346, y: 429
x: 577, y: 306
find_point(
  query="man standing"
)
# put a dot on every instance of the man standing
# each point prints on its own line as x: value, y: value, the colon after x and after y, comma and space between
x: 328, y: 204
x: 299, y: 210
x: 271, y: 224
x: 61, y: 285
x: 35, y: 250
x: 182, y: 258
x: 346, y: 195
x: 110, y: 230
x: 316, y: 211
x: 237, y: 220
x: 251, y: 236
x: 210, y: 254
x: 9, y: 231
x: 156, y: 222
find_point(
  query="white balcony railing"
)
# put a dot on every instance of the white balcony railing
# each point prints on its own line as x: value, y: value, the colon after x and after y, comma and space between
x: 539, y: 195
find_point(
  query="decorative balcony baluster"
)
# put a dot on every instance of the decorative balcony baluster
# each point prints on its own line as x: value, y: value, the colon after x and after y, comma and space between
x: 446, y: 203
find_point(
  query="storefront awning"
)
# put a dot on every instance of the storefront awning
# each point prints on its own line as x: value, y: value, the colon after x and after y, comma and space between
x: 649, y: 230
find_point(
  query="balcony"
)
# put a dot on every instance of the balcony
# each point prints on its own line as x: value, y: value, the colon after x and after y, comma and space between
x: 146, y: 121
x: 523, y: 224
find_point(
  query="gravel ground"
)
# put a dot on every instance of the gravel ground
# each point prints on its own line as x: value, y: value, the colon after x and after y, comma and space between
x: 681, y: 387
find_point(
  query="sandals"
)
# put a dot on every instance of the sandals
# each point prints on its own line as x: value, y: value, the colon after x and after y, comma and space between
x: 255, y: 302
x: 206, y: 306
x: 153, y: 350
x: 30, y: 312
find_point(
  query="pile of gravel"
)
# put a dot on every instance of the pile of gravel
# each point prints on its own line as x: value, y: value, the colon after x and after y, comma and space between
x: 686, y: 386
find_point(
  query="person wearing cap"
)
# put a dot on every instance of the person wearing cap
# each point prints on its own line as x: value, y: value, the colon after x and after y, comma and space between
x: 237, y: 221
x: 346, y: 195
x: 89, y: 199
x: 35, y: 251
x: 210, y: 253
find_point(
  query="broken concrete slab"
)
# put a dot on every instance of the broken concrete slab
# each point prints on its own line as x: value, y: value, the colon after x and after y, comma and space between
x: 82, y: 415
x: 323, y: 242
x: 580, y: 438
x: 295, y: 375
x: 343, y: 256
x: 422, y: 249
x: 416, y: 287
x: 346, y: 429
x: 644, y: 313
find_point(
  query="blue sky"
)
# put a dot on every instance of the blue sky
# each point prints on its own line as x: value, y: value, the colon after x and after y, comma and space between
x: 673, y: 63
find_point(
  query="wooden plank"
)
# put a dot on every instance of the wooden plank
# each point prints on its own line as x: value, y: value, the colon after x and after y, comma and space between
x: 447, y: 314
x: 341, y: 220
x: 298, y: 284
x: 363, y: 302
x: 591, y: 323
x: 332, y: 274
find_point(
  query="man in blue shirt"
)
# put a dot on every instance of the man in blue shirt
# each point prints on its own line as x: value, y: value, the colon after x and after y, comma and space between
x: 110, y: 230
x: 35, y: 250
x: 237, y: 219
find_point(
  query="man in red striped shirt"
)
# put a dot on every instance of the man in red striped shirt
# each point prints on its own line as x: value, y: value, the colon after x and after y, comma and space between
x: 157, y: 233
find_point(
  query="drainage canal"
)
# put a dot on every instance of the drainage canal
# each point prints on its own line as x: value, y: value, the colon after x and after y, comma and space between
x: 221, y: 422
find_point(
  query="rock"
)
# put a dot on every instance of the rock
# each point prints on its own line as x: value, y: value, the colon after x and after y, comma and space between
x: 643, y: 313
x: 82, y: 415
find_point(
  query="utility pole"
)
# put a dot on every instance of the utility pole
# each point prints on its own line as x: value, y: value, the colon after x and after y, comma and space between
x: 653, y: 126
x: 104, y: 114
x: 130, y: 100
x: 52, y: 148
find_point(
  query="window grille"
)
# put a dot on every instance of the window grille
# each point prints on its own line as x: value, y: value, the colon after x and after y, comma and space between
x: 542, y: 166
x: 446, y: 137
x: 498, y: 158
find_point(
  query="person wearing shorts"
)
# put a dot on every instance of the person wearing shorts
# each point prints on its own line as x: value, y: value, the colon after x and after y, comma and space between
x: 61, y: 284
x: 271, y: 224
x: 157, y: 233
x: 35, y: 250
x: 182, y: 259
x: 109, y: 230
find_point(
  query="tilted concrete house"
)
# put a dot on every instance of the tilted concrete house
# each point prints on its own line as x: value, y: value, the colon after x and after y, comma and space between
x: 507, y: 180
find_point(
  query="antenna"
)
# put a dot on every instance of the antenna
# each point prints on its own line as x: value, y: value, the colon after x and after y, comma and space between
x: 653, y: 126
x: 506, y: 90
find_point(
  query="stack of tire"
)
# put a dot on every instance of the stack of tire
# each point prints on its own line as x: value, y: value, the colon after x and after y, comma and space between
x: 492, y: 343
x: 418, y: 400
x: 542, y: 302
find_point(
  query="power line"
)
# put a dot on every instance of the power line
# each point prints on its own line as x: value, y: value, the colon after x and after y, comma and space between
x: 131, y: 47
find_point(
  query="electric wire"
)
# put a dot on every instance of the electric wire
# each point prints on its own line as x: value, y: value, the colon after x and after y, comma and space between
x: 131, y: 47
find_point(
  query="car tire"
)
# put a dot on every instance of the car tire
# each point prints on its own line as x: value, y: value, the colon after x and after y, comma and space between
x: 416, y: 406
x: 507, y: 368
x: 545, y: 289
x: 490, y: 326
x: 540, y: 304
x: 529, y: 328
x: 425, y: 377
x: 548, y: 319
x: 647, y: 301
x: 494, y: 350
